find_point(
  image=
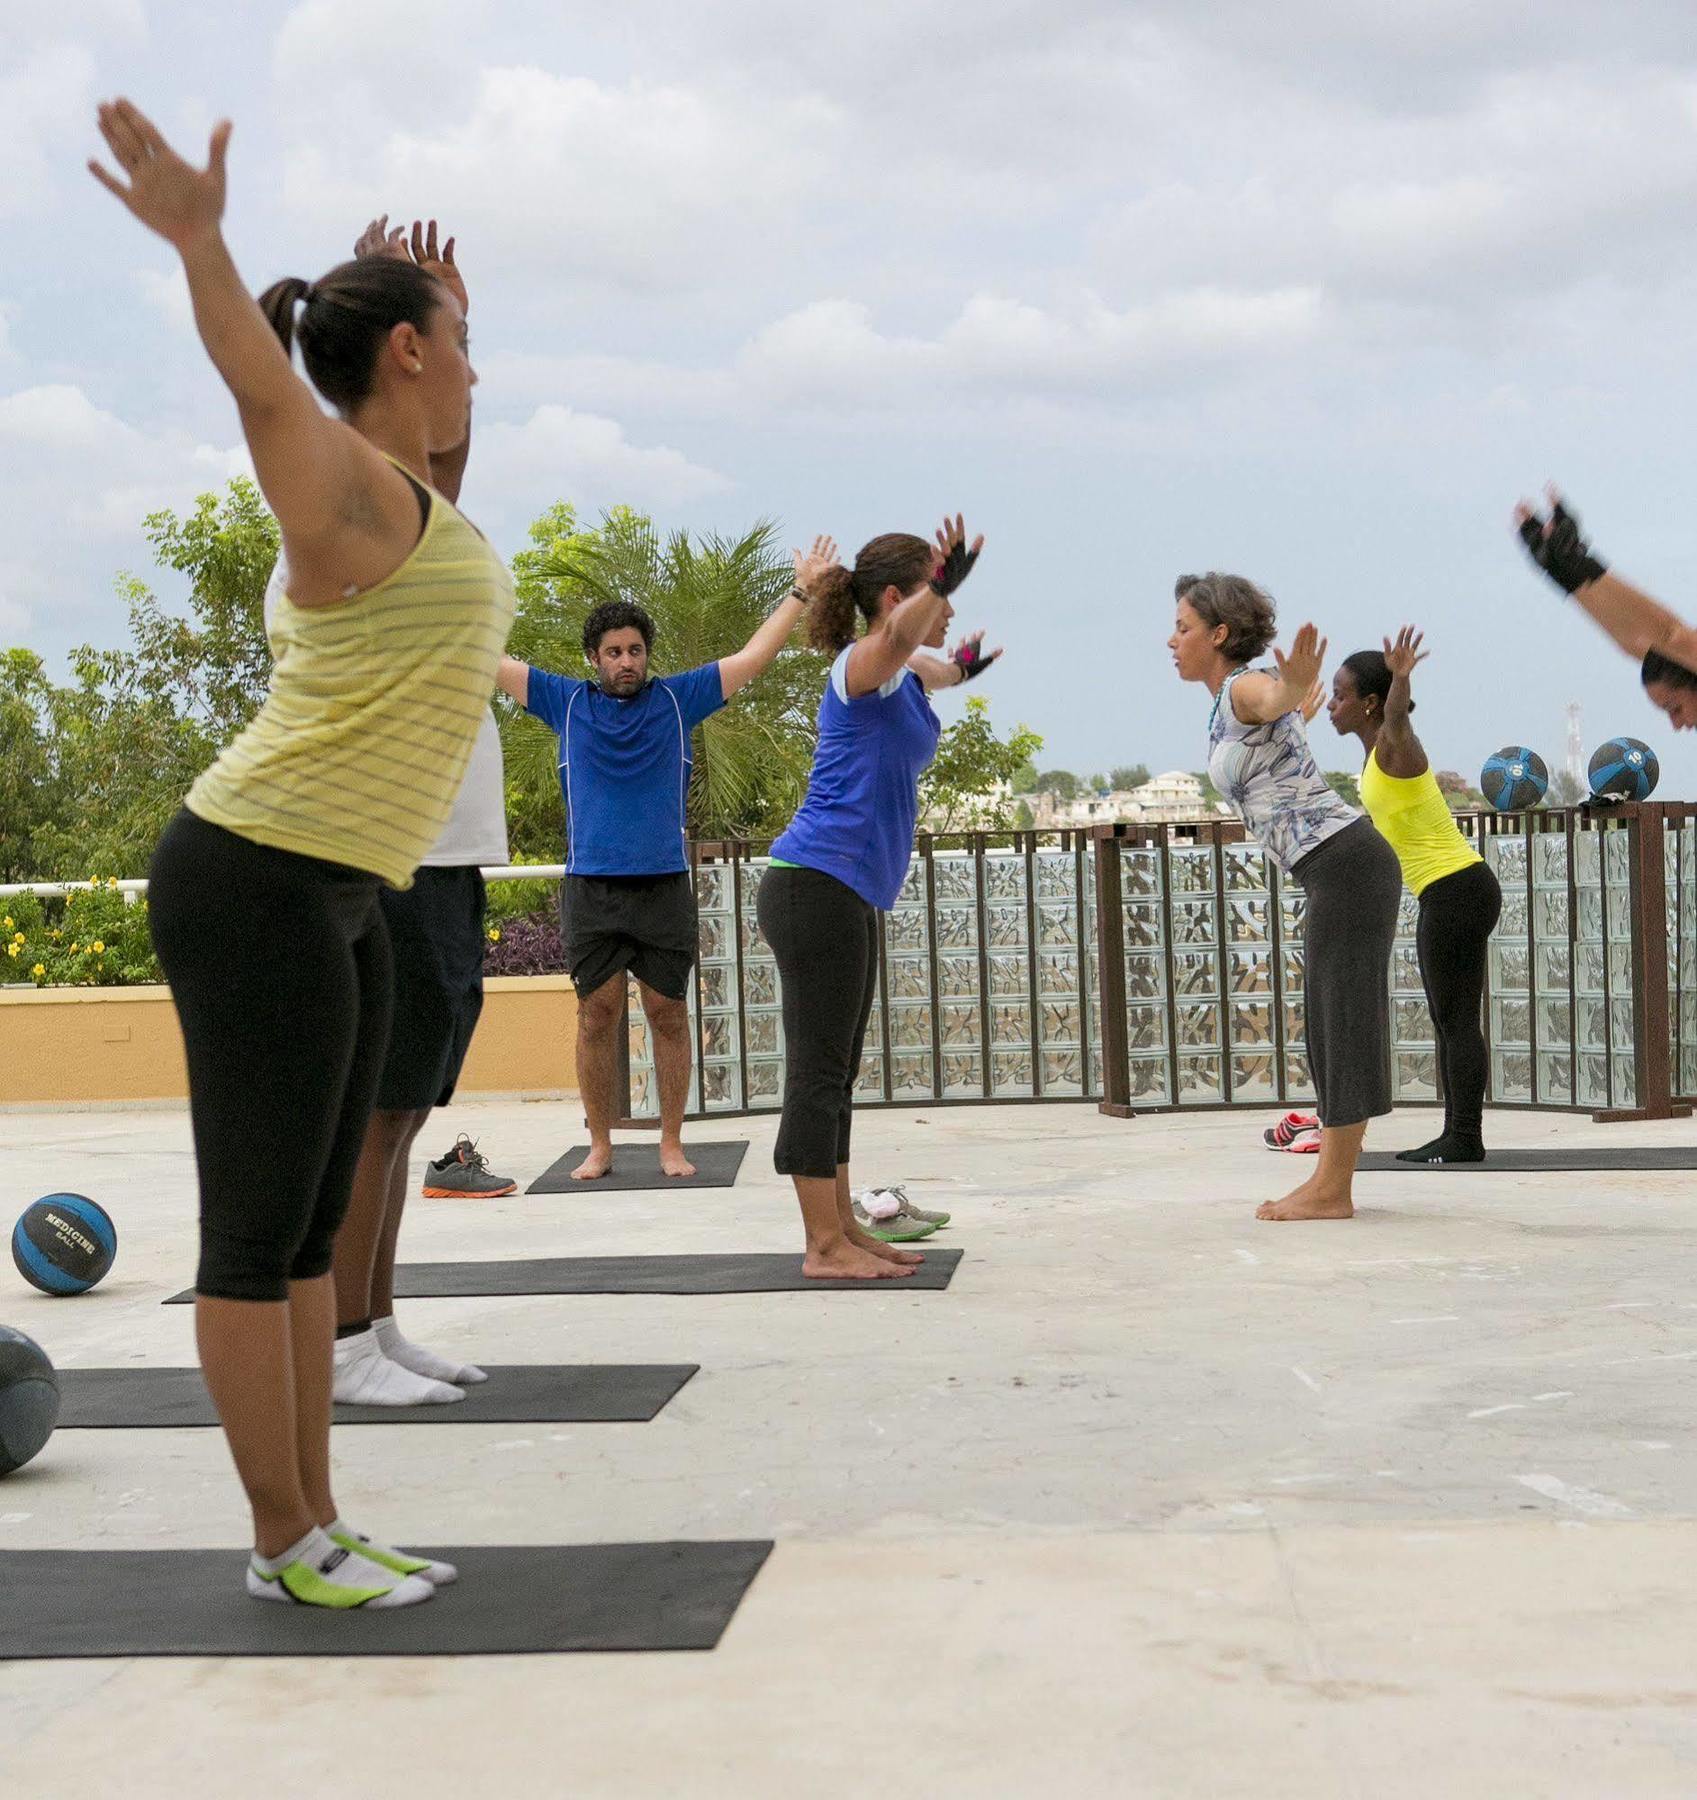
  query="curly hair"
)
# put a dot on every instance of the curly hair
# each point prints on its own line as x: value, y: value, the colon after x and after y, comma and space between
x: 897, y: 559
x: 616, y: 615
x: 1235, y: 602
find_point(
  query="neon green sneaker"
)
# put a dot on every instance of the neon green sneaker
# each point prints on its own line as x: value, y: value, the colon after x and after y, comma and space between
x: 318, y: 1572
x: 397, y: 1562
x: 909, y: 1210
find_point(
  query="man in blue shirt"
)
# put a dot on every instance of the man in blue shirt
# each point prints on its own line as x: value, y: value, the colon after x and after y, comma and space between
x: 628, y: 901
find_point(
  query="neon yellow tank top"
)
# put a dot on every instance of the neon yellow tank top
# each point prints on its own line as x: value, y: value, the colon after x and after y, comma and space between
x: 358, y: 753
x: 1415, y: 820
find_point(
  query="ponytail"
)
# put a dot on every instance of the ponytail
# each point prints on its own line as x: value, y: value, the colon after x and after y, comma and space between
x: 897, y: 559
x: 347, y: 319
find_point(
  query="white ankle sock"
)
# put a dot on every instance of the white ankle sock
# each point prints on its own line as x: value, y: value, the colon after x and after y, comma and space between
x: 421, y: 1361
x: 364, y: 1376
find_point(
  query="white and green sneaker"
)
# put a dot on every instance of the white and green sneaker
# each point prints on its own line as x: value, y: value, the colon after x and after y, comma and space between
x: 320, y: 1572
x: 397, y: 1562
x: 909, y: 1210
x: 879, y: 1215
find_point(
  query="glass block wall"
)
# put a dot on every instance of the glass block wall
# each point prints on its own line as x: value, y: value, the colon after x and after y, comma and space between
x: 989, y: 982
x: 1680, y: 863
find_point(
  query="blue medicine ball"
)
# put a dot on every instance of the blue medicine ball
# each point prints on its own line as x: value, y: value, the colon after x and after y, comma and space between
x: 1514, y: 779
x: 64, y: 1244
x: 29, y: 1399
x: 1624, y: 769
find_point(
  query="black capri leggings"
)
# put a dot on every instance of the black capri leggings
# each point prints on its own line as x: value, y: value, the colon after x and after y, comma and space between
x: 1353, y: 888
x: 279, y: 967
x: 1457, y: 916
x: 825, y: 938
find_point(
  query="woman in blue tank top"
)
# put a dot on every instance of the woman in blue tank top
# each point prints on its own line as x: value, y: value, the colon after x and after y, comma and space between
x: 845, y: 855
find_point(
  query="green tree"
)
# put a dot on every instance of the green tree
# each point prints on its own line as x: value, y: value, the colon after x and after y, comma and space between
x: 1062, y: 783
x: 1211, y: 795
x: 1123, y: 779
x: 1461, y: 797
x: 706, y: 598
x: 958, y: 791
x: 1025, y: 779
x: 1343, y: 784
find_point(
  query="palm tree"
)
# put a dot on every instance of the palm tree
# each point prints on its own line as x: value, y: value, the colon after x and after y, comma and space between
x: 706, y: 598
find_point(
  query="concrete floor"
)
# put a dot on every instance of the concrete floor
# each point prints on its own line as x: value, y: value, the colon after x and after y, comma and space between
x: 1156, y: 1500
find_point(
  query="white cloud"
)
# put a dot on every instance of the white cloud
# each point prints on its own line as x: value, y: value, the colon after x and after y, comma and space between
x: 166, y: 290
x: 558, y: 453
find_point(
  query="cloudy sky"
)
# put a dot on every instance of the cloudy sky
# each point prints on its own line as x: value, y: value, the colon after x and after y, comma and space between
x: 1311, y: 293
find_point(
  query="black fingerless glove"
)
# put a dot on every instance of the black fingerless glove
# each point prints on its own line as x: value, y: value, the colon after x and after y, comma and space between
x: 953, y: 569
x: 1561, y: 553
x: 970, y: 659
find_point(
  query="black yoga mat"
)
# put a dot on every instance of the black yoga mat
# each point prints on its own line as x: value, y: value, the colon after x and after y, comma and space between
x: 637, y: 1166
x: 515, y: 1394
x: 1600, y: 1159
x: 750, y: 1274
x: 710, y: 1274
x: 510, y: 1600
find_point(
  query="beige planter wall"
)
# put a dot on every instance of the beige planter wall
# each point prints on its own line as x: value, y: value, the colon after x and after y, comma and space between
x: 63, y: 1046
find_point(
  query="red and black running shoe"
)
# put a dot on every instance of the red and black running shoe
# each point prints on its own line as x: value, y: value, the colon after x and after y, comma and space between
x: 1284, y: 1134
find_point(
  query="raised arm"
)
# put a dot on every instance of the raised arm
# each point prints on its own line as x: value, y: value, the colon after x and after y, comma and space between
x: 1637, y: 623
x: 447, y: 468
x: 884, y: 651
x: 513, y: 679
x: 306, y: 461
x: 758, y: 654
x: 1259, y: 698
x: 966, y: 662
x: 1398, y: 751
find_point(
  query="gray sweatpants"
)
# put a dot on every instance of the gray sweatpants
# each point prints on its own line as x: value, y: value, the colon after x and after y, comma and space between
x: 1353, y: 885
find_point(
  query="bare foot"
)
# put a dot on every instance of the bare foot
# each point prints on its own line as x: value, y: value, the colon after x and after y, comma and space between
x: 674, y: 1162
x: 890, y: 1252
x: 848, y: 1262
x: 1308, y: 1202
x: 597, y: 1163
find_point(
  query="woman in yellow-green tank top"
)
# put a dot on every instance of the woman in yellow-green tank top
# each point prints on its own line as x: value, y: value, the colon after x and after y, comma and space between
x: 1460, y: 900
x: 263, y: 891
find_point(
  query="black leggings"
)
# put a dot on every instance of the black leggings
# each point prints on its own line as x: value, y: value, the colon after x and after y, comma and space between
x: 279, y: 967
x: 825, y: 938
x: 1457, y: 916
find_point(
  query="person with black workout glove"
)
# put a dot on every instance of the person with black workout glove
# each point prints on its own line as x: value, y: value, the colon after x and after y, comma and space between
x: 1664, y: 646
x: 845, y: 856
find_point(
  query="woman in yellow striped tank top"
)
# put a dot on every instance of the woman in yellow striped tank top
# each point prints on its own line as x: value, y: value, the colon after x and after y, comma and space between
x: 263, y: 892
x: 1459, y: 897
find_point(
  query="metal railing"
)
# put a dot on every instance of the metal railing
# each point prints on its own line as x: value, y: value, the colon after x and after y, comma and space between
x: 1159, y: 968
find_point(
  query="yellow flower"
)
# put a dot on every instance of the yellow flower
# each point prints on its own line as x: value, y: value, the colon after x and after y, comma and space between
x: 99, y: 948
x: 494, y: 935
x: 39, y: 970
x: 8, y: 922
x: 11, y: 949
x: 111, y: 881
x: 94, y: 881
x: 17, y: 937
x: 75, y: 948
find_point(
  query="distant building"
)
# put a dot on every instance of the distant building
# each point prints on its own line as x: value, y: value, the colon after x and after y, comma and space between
x: 1173, y: 798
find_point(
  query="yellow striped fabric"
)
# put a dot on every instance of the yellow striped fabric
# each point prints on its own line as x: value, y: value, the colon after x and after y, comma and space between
x: 357, y: 754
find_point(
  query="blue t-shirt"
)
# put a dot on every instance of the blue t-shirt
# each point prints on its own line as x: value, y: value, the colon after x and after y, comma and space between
x: 862, y: 802
x: 625, y: 767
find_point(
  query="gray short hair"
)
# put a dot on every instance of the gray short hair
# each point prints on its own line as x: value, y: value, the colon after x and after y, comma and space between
x: 1234, y: 601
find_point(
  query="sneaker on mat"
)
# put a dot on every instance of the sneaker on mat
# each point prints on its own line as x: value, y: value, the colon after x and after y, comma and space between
x: 881, y: 1217
x: 1278, y: 1137
x: 463, y: 1174
x: 909, y: 1210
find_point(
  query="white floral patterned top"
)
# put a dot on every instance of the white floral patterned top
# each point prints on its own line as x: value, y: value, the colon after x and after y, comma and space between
x: 1269, y: 775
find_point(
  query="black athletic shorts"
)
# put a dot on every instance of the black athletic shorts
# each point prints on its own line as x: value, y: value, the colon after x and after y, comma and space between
x: 644, y: 923
x: 436, y: 930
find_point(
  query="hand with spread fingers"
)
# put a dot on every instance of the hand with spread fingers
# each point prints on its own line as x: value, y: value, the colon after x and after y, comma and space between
x: 1312, y: 705
x: 181, y: 203
x: 1404, y: 654
x: 818, y: 561
x: 954, y: 559
x: 378, y: 239
x: 1557, y: 546
x: 971, y: 658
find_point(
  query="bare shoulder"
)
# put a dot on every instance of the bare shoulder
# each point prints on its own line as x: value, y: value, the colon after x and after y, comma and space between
x: 371, y: 530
